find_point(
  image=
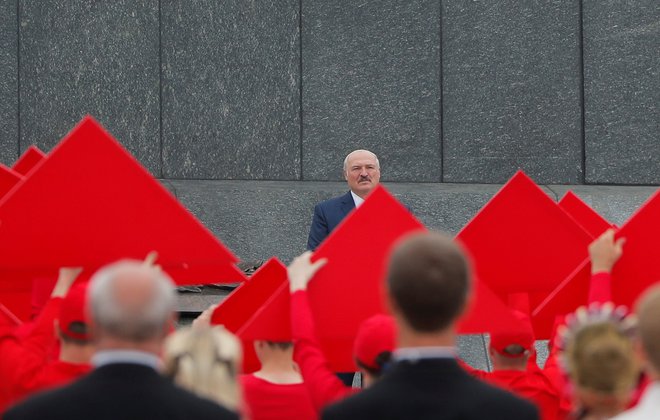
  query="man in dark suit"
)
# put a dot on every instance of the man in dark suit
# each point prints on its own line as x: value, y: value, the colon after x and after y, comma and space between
x: 131, y: 307
x: 362, y: 172
x: 427, y: 287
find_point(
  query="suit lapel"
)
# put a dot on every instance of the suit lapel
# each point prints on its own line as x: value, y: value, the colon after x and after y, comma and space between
x: 347, y: 204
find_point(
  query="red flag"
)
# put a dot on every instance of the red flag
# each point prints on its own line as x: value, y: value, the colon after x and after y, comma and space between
x: 349, y: 289
x: 522, y: 242
x: 246, y: 303
x: 583, y: 214
x: 8, y: 179
x: 90, y: 203
x: 636, y: 270
x: 28, y: 160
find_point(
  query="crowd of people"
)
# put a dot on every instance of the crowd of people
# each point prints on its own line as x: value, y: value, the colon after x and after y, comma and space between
x: 108, y: 348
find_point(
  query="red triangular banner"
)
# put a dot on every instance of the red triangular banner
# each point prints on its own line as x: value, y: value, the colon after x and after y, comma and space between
x: 90, y: 203
x: 247, y: 302
x: 28, y: 160
x: 632, y: 274
x: 583, y: 214
x: 522, y: 242
x: 8, y: 179
x: 348, y: 289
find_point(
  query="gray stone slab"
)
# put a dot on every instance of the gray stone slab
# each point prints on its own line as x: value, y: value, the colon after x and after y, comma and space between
x: 622, y: 91
x: 260, y: 219
x: 614, y: 203
x: 511, y: 91
x: 98, y: 58
x: 231, y: 97
x: 371, y: 80
x: 472, y: 349
x: 8, y: 82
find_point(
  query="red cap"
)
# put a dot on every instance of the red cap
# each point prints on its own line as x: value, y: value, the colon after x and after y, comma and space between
x: 374, y: 336
x: 520, y: 333
x: 72, y: 319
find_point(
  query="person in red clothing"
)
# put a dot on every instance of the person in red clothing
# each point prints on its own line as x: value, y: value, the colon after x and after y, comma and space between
x: 276, y: 391
x: 592, y: 360
x: 373, y: 346
x: 62, y: 321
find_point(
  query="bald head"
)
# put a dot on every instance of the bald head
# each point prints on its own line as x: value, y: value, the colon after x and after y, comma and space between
x: 131, y: 301
x: 648, y: 312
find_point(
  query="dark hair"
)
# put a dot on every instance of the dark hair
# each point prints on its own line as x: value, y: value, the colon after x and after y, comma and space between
x: 381, y: 361
x: 281, y: 345
x: 428, y: 281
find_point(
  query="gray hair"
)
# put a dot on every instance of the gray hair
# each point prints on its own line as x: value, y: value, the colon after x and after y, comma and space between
x: 360, y: 150
x: 131, y: 321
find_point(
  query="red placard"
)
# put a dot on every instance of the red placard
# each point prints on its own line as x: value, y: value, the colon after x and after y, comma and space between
x: 583, y: 214
x: 348, y: 289
x: 8, y: 179
x: 7, y: 317
x: 90, y: 203
x: 522, y: 242
x: 28, y: 160
x: 632, y: 274
x: 246, y: 303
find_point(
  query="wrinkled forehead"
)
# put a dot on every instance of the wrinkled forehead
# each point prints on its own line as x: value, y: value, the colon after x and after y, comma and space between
x: 361, y: 158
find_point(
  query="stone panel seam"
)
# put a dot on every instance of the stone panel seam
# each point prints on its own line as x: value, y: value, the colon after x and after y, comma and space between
x: 160, y: 88
x: 583, y: 145
x: 18, y: 79
x: 554, y: 193
x: 300, y: 88
x: 440, y: 104
x: 485, y: 348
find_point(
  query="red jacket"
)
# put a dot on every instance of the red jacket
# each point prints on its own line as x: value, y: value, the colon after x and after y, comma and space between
x: 324, y: 386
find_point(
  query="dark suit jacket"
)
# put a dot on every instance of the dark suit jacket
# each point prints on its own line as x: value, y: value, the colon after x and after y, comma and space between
x: 327, y: 215
x: 431, y: 389
x: 119, y: 391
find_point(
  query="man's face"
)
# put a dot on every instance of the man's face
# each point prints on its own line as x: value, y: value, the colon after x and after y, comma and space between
x: 362, y: 172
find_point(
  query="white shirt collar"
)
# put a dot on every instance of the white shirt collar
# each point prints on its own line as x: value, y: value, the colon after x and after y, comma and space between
x: 420, y: 353
x: 107, y: 357
x: 357, y: 199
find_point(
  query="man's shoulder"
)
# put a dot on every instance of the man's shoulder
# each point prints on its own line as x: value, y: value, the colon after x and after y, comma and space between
x: 335, y: 201
x: 96, y: 397
x: 470, y: 397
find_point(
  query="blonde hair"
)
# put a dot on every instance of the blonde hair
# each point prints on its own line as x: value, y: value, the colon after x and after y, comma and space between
x: 205, y: 361
x: 600, y: 357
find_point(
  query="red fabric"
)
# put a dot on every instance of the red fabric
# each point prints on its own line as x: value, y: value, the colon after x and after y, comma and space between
x: 54, y: 374
x: 266, y: 400
x: 324, y: 386
x: 532, y: 385
x: 583, y: 214
x: 27, y: 364
x: 600, y: 288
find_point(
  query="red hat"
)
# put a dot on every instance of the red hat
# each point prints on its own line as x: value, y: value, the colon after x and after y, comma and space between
x: 72, y: 319
x: 520, y: 333
x: 374, y: 336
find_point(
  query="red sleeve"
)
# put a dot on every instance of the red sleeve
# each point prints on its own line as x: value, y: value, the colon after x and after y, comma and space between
x: 324, y: 386
x: 33, y: 351
x: 600, y: 288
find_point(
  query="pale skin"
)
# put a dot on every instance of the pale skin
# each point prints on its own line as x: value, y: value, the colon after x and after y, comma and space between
x: 605, y: 251
x: 362, y: 172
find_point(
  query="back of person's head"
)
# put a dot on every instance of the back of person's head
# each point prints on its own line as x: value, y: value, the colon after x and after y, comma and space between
x: 205, y: 361
x: 510, y: 347
x: 648, y: 312
x: 72, y: 321
x: 374, y: 343
x: 601, y: 363
x: 428, y: 281
x: 132, y: 302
